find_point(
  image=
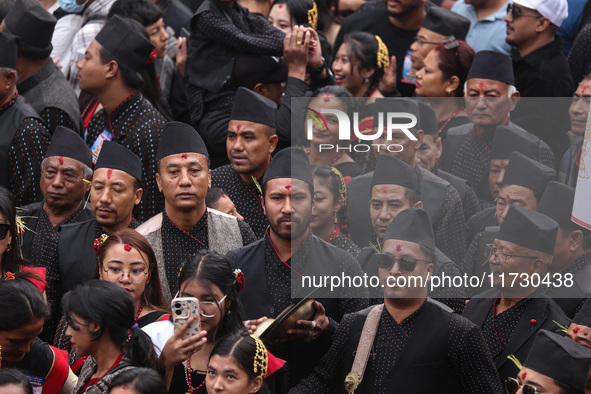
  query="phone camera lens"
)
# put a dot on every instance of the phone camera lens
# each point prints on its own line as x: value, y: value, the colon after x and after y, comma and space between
x: 177, y: 312
x: 177, y: 305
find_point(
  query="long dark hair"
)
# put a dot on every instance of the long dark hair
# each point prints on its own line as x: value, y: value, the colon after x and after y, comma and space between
x: 140, y: 380
x: 113, y: 310
x: 15, y: 377
x: 152, y: 296
x: 12, y: 260
x: 364, y: 54
x: 22, y: 303
x: 243, y: 349
x: 210, y: 268
x: 455, y: 61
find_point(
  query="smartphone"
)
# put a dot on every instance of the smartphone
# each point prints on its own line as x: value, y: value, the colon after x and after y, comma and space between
x: 182, y: 309
x: 185, y: 33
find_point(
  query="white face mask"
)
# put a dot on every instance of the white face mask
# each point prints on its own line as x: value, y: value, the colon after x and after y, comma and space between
x: 71, y: 6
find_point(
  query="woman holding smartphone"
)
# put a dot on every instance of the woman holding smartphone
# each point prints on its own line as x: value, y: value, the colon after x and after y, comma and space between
x: 208, y: 277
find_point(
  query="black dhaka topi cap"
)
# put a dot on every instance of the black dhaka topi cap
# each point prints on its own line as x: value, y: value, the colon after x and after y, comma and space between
x: 68, y: 143
x: 31, y: 23
x: 492, y: 65
x: 253, y: 107
x: 178, y: 137
x: 118, y: 157
x: 391, y: 170
x: 427, y: 119
x: 559, y: 358
x: 400, y: 105
x: 290, y: 163
x: 526, y: 172
x: 557, y: 203
x: 412, y: 225
x: 9, y: 50
x: 447, y: 23
x: 126, y: 40
x: 508, y: 141
x: 529, y: 229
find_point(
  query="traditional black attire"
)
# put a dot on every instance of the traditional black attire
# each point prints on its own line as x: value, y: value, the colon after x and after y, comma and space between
x: 247, y: 198
x: 432, y: 342
x: 134, y: 123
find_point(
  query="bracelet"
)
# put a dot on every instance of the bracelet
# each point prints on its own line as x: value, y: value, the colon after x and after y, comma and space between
x: 318, y: 70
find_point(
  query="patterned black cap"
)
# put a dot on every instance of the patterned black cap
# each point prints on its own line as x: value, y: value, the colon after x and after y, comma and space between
x: 178, y: 137
x: 447, y: 23
x: 126, y: 40
x: 557, y: 203
x: 412, y: 225
x: 391, y: 170
x: 531, y: 174
x: 508, y: 141
x: 253, y: 107
x: 290, y: 163
x: 118, y: 157
x: 9, y: 50
x: 68, y: 143
x: 559, y: 358
x: 31, y: 23
x: 492, y: 65
x: 529, y: 229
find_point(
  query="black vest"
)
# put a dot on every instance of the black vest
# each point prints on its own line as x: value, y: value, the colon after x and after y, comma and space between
x: 543, y: 311
x: 210, y: 64
x: 31, y: 218
x: 76, y: 254
x: 422, y: 367
x: 10, y: 121
x: 49, y: 88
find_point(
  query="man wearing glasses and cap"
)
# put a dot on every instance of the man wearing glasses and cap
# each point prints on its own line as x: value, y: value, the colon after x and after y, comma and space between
x: 516, y: 308
x: 409, y: 336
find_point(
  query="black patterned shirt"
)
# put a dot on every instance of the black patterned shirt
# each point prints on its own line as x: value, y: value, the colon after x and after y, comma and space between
x: 247, y: 198
x: 25, y: 156
x: 137, y: 125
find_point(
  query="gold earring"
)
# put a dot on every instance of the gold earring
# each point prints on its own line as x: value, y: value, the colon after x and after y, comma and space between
x: 450, y: 92
x: 8, y: 248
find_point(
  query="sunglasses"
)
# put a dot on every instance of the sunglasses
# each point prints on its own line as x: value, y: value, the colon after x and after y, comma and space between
x: 4, y: 228
x: 512, y: 386
x: 516, y: 12
x: 405, y: 263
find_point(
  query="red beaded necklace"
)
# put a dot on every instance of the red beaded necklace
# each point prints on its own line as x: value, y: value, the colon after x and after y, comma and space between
x: 137, y: 315
x: 188, y: 371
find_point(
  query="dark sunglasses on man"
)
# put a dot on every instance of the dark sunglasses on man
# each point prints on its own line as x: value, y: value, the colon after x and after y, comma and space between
x: 4, y: 228
x: 516, y: 12
x: 405, y: 263
x: 512, y: 386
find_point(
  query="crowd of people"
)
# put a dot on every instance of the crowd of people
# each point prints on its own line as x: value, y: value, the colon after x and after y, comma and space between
x: 257, y: 156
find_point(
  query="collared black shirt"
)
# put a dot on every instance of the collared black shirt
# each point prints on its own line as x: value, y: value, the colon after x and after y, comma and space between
x: 135, y: 124
x: 247, y: 198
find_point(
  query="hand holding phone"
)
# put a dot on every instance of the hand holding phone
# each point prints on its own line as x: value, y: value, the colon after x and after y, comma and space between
x: 184, y: 308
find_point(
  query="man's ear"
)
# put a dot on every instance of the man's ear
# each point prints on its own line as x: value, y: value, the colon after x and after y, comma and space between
x: 112, y: 68
x: 138, y: 196
x: 515, y: 97
x: 438, y: 148
x: 575, y: 240
x: 158, y: 182
x: 420, y: 137
x: 259, y: 88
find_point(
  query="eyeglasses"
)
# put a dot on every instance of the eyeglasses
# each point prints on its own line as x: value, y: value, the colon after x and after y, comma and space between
x: 405, y: 263
x: 512, y: 385
x: 210, y: 308
x: 500, y: 257
x: 516, y: 12
x: 136, y: 275
x: 4, y: 228
x: 422, y: 41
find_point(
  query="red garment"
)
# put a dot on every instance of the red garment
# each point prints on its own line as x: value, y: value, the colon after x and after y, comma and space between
x: 41, y: 273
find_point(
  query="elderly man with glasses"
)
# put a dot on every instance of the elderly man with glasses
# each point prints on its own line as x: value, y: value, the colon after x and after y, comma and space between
x: 517, y: 307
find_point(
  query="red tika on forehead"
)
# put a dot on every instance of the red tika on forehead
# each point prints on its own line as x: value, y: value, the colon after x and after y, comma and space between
x: 109, y: 173
x: 503, y: 164
x: 584, y: 88
x: 238, y: 127
x: 508, y: 197
x: 280, y: 6
x: 61, y: 160
x: 523, y: 375
x: 384, y: 189
x: 288, y: 187
x: 327, y: 98
x: 576, y: 330
x: 224, y: 196
x: 482, y: 86
x: 398, y: 248
x: 184, y: 155
x: 127, y: 247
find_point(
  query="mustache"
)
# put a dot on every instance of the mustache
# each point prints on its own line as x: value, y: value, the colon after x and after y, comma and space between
x: 104, y: 208
x: 288, y: 218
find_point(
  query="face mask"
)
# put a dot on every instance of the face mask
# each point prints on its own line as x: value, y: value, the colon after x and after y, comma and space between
x: 71, y: 6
